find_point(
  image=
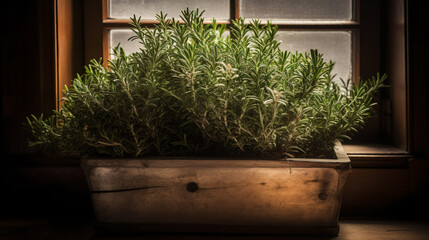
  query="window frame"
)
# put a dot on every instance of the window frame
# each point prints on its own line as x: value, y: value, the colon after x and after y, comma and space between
x: 353, y: 26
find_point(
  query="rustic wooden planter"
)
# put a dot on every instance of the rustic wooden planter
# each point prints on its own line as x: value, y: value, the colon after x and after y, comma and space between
x: 302, y: 196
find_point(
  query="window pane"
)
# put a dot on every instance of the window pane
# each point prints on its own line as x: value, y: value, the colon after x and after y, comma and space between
x: 121, y: 36
x: 147, y: 9
x: 297, y: 10
x: 334, y: 45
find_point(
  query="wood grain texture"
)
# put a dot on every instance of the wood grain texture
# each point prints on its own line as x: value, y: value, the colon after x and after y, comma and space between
x: 69, y: 45
x: 229, y: 196
x: 218, y: 192
x: 395, y: 61
x: 92, y: 30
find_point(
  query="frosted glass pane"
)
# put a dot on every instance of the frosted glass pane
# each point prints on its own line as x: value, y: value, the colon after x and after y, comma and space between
x: 334, y: 45
x: 147, y: 9
x: 121, y: 36
x: 297, y: 10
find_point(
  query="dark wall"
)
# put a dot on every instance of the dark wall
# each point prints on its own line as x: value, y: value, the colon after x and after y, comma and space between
x: 27, y: 69
x: 33, y: 185
x: 417, y: 70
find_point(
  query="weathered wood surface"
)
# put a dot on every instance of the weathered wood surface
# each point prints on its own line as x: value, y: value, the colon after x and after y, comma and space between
x: 297, y: 193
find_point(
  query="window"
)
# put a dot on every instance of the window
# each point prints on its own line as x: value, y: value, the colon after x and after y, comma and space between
x: 362, y: 37
x: 303, y: 24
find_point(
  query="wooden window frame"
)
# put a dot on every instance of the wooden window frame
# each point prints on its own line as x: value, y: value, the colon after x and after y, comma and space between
x: 68, y: 46
x: 97, y: 25
x: 352, y: 26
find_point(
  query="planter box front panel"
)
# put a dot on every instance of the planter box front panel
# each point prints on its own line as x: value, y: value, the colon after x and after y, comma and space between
x: 298, y: 193
x: 250, y: 196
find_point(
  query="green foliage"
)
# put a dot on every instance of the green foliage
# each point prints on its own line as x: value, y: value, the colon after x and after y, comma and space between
x: 191, y: 89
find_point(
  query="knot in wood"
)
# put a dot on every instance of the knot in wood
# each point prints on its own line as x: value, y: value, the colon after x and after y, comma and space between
x: 192, y: 187
x: 323, y: 196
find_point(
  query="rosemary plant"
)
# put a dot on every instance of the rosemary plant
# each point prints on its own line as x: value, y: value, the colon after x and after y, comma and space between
x: 192, y: 89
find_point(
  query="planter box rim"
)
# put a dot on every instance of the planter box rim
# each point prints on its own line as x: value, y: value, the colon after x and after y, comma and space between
x: 342, y: 161
x: 340, y: 153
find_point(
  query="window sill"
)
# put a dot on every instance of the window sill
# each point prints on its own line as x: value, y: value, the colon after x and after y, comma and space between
x: 377, y: 156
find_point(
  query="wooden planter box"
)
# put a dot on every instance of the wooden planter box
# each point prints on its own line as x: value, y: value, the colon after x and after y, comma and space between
x: 302, y: 196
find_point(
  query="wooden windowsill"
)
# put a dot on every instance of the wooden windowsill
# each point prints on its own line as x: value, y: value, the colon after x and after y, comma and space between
x: 373, y: 149
x: 375, y: 155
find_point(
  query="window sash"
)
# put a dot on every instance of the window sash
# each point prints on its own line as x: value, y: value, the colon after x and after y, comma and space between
x: 352, y: 26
